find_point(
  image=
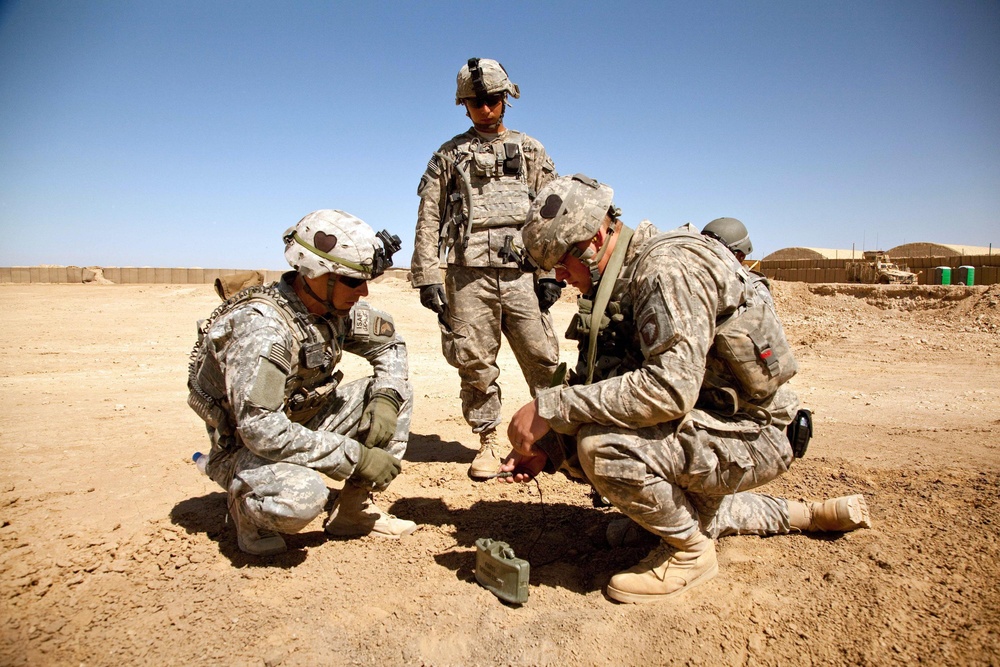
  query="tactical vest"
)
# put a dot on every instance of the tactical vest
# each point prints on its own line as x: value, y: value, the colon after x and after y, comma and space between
x: 498, y: 175
x: 310, y: 364
x: 749, y: 358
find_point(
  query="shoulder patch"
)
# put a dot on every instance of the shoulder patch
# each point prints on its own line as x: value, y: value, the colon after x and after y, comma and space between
x: 656, y: 324
x: 384, y: 328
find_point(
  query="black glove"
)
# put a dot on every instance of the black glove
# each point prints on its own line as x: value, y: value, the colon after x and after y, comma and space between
x: 433, y: 298
x: 548, y: 292
x: 379, y: 418
x: 377, y: 467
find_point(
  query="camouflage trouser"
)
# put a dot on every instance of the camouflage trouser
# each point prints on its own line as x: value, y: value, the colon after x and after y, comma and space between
x: 285, y: 497
x: 482, y: 304
x: 680, y: 477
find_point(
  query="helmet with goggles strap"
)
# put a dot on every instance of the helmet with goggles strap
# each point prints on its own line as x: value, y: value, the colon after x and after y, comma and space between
x: 332, y: 241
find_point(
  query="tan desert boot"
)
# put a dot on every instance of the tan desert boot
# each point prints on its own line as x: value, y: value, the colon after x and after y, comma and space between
x: 354, y: 514
x: 487, y: 461
x: 251, y: 538
x: 667, y: 571
x: 836, y: 514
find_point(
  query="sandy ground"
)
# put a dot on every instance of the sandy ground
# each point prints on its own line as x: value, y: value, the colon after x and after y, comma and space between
x: 115, y: 550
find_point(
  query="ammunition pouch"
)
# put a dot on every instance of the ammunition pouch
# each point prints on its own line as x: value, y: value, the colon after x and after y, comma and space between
x: 304, y: 404
x: 753, y: 345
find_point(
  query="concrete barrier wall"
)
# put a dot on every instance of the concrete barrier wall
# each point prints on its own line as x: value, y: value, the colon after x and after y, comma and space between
x: 131, y: 275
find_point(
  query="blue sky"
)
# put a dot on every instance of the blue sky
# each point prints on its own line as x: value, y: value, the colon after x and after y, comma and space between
x: 192, y: 133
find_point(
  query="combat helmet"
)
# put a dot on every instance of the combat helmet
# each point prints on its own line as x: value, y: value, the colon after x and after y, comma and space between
x: 330, y: 241
x: 481, y: 77
x: 731, y: 233
x: 566, y: 211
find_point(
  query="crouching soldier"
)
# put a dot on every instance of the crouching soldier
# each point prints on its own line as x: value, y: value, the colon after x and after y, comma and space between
x: 679, y: 404
x: 264, y: 379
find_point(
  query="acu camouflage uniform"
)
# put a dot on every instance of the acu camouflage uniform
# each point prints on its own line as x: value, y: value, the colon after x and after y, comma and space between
x: 487, y: 293
x: 666, y: 432
x: 264, y: 378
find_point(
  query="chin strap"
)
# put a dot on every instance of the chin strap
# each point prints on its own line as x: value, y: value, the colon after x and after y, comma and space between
x: 331, y: 279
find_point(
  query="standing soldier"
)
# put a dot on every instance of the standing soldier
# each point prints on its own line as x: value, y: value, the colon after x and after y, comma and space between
x: 474, y: 197
x: 679, y: 404
x: 264, y: 379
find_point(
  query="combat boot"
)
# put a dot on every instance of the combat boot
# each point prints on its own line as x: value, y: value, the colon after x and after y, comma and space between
x: 354, y: 514
x: 487, y: 461
x: 836, y: 514
x: 251, y: 538
x: 667, y: 571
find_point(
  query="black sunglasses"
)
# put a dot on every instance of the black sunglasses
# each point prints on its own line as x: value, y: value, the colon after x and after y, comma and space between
x: 353, y: 283
x: 488, y: 101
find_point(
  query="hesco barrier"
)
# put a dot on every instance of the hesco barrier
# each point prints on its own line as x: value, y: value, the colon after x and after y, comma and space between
x: 131, y: 275
x: 985, y: 268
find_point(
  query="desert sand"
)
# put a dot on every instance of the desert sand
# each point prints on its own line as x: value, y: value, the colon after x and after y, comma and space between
x: 115, y: 550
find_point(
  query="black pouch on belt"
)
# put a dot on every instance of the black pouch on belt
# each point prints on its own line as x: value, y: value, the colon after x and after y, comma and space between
x: 799, y: 432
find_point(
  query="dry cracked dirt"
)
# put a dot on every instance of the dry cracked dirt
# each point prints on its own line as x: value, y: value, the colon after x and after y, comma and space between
x: 115, y: 550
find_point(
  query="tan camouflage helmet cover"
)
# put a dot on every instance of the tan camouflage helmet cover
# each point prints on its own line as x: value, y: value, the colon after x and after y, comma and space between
x: 331, y: 241
x: 568, y: 210
x: 481, y: 77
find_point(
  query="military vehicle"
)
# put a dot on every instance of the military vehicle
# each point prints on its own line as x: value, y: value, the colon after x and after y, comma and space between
x: 876, y: 267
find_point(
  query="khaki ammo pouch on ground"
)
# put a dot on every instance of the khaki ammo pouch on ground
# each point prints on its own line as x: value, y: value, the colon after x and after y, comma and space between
x: 753, y: 345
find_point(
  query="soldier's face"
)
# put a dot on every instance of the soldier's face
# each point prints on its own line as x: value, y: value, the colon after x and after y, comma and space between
x: 488, y: 115
x: 347, y: 292
x: 574, y: 272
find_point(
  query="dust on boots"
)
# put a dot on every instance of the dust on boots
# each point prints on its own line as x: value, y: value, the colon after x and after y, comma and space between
x: 354, y: 514
x: 667, y: 571
x: 487, y: 461
x: 834, y: 515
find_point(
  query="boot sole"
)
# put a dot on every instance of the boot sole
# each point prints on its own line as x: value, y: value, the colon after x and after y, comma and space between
x: 640, y: 598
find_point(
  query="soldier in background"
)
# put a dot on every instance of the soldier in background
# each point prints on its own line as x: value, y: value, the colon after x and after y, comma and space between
x: 474, y: 197
x: 264, y: 379
x: 733, y: 234
x: 672, y: 413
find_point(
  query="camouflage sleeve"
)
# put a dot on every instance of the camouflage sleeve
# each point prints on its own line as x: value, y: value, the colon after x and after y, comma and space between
x: 675, y: 300
x: 424, y: 265
x: 254, y: 355
x: 372, y: 334
x: 539, y: 166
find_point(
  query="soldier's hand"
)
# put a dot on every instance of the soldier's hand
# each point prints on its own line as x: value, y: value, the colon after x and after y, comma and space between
x: 523, y: 468
x: 377, y: 467
x: 380, y: 417
x: 433, y: 298
x: 548, y: 292
x: 526, y: 428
